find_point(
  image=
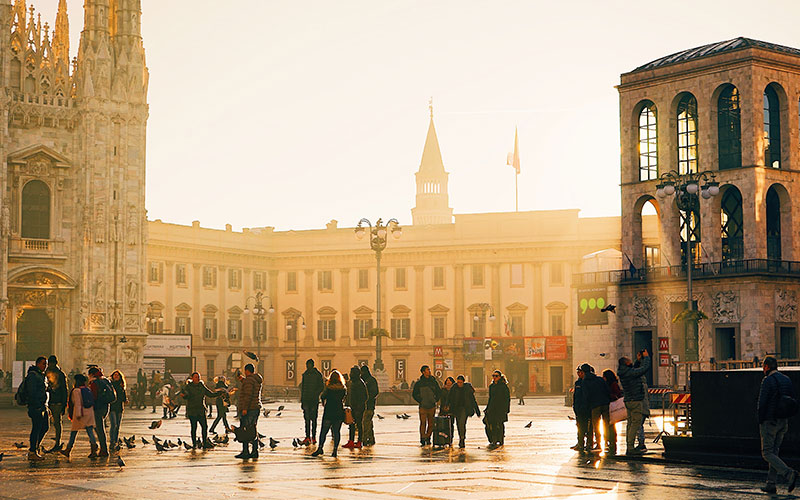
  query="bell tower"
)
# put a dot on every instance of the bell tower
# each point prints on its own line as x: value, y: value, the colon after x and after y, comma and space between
x: 432, y: 205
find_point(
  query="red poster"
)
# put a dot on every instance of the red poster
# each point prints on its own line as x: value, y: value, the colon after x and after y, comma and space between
x: 663, y: 343
x: 556, y: 348
x: 663, y: 360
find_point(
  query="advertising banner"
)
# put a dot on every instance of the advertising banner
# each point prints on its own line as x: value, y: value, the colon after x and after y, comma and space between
x: 534, y: 348
x: 590, y: 303
x: 556, y: 348
x: 168, y: 346
x: 473, y: 349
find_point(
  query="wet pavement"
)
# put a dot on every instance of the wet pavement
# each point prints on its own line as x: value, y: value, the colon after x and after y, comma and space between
x: 535, y: 462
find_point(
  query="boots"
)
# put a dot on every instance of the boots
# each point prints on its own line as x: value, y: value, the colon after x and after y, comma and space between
x: 66, y: 451
x: 93, y: 454
x: 254, y: 453
x: 357, y: 444
x: 34, y: 457
x: 349, y: 445
x: 245, y: 454
x: 103, y: 452
x: 318, y: 452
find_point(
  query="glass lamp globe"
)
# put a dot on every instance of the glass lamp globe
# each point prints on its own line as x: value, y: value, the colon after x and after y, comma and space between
x: 692, y: 188
x: 382, y: 232
x: 713, y: 190
x: 705, y: 194
x: 360, y: 233
x: 660, y: 192
x: 669, y: 190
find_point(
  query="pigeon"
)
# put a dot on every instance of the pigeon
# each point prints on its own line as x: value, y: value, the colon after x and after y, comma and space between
x: 266, y: 413
x: 179, y: 442
x: 273, y: 443
x: 251, y: 355
x: 159, y: 447
x: 155, y: 424
x: 294, y: 442
x: 570, y: 417
x: 281, y: 407
x: 144, y: 441
x: 529, y: 424
x: 20, y: 445
x: 261, y: 435
x: 260, y: 443
x: 405, y: 417
x: 399, y: 416
x: 379, y: 416
x: 609, y: 308
x: 155, y: 439
x: 133, y: 438
x: 278, y: 414
x: 130, y: 444
x: 170, y: 444
x: 120, y: 462
x: 186, y: 445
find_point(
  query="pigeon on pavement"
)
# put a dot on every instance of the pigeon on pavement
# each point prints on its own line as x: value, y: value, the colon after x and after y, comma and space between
x: 159, y: 447
x: 379, y: 416
x: 1, y: 456
x: 20, y: 445
x: 186, y: 445
x: 155, y: 424
x: 281, y: 407
x: 120, y: 462
x: 144, y: 441
x: 273, y: 443
x: 529, y: 424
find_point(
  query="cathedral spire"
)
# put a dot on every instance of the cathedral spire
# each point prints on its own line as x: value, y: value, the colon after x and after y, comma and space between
x: 61, y: 37
x: 432, y: 199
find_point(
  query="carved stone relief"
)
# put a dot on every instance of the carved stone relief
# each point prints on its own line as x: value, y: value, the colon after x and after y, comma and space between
x: 100, y: 224
x: 785, y: 306
x: 133, y: 226
x: 131, y: 322
x: 132, y: 293
x: 725, y: 307
x: 97, y: 356
x: 644, y: 310
x: 99, y: 293
x: 128, y: 357
x: 97, y: 321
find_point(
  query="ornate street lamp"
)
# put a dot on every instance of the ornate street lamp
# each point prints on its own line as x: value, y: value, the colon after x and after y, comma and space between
x: 377, y: 241
x: 289, y: 327
x: 260, y: 312
x: 688, y: 190
x: 154, y: 318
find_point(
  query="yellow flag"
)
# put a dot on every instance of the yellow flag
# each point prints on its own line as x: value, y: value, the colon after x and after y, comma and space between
x: 513, y: 158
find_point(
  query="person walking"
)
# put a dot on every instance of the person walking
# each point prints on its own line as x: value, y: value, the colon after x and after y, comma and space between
x: 311, y: 386
x: 36, y: 399
x: 598, y: 396
x: 155, y: 387
x: 497, y: 409
x: 462, y: 403
x: 445, y: 408
x: 641, y: 446
x: 81, y: 414
x: 250, y: 405
x: 616, y: 393
x: 56, y: 397
x: 332, y: 397
x: 222, y: 403
x: 195, y: 394
x: 163, y: 395
x: 104, y: 395
x: 521, y: 391
x: 357, y: 400
x: 776, y: 404
x: 583, y: 414
x: 426, y: 393
x: 369, y: 412
x: 633, y: 394
x: 116, y: 408
x: 141, y: 389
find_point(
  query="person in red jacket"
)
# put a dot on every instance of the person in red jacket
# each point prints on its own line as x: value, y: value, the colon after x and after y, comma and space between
x: 616, y: 392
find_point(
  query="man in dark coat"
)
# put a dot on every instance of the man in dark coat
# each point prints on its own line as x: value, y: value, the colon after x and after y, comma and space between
x: 426, y: 393
x: 369, y: 412
x: 249, y: 406
x: 773, y: 422
x: 462, y: 406
x: 195, y: 394
x: 583, y: 415
x: 36, y: 393
x: 497, y: 409
x: 311, y: 387
x: 597, y: 395
x: 634, y: 394
x: 57, y: 397
x: 357, y: 399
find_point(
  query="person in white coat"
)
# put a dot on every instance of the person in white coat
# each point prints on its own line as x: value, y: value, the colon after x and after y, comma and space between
x: 81, y: 414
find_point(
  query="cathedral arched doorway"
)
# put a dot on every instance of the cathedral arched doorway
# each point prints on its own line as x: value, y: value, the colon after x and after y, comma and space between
x: 34, y: 335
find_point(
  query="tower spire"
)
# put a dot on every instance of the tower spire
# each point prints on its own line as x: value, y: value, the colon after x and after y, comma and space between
x: 61, y: 38
x: 432, y: 199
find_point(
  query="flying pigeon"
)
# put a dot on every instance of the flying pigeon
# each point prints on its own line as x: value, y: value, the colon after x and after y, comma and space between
x: 609, y: 308
x: 155, y: 424
x: 186, y: 445
x: 379, y: 416
x: 281, y: 407
x: 273, y: 443
x: 120, y: 462
x: 529, y: 424
x: 251, y: 355
x: 144, y: 441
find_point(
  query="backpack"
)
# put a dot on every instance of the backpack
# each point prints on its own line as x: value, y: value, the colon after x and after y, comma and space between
x: 786, y: 405
x: 21, y: 396
x: 105, y: 392
x: 87, y: 398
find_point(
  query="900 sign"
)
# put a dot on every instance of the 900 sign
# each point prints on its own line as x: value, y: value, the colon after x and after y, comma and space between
x: 590, y: 302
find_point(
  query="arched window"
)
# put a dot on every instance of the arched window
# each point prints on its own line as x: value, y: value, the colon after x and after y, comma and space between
x: 773, y: 224
x: 690, y: 233
x: 772, y: 128
x: 16, y: 74
x: 729, y: 128
x: 687, y: 134
x: 731, y: 217
x: 648, y: 143
x: 36, y: 210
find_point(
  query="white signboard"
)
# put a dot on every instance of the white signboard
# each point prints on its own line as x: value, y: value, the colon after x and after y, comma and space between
x: 168, y: 346
x: 150, y: 364
x: 448, y: 364
x: 17, y: 374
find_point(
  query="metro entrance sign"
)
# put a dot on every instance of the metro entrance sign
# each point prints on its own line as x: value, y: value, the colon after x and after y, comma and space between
x: 438, y: 351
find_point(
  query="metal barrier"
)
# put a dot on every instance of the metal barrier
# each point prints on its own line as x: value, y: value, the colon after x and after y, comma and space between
x: 681, y: 403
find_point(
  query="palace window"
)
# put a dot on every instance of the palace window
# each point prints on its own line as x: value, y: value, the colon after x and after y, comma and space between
x: 363, y: 279
x: 516, y: 325
x: 687, y: 134
x: 180, y: 274
x: 773, y: 225
x: 36, y: 210
x: 209, y: 322
x: 477, y: 275
x: 182, y: 324
x: 439, y: 327
x: 361, y: 328
x: 648, y: 143
x: 155, y: 272
x: 400, y: 278
x: 326, y: 329
x: 556, y: 323
x: 291, y: 282
x: 234, y: 279
x: 324, y: 281
x: 729, y: 128
x: 731, y: 217
x: 259, y: 283
x: 652, y: 256
x: 401, y: 328
x: 234, y: 329
x: 772, y: 128
x: 438, y: 277
x: 209, y: 276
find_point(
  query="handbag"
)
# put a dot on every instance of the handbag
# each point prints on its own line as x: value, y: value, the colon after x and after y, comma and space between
x: 617, y: 411
x: 245, y: 433
x: 348, y: 416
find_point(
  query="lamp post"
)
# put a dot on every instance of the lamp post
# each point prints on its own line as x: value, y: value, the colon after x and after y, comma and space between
x: 483, y: 308
x: 260, y: 312
x: 377, y: 241
x: 151, y: 318
x: 289, y: 327
x: 687, y: 191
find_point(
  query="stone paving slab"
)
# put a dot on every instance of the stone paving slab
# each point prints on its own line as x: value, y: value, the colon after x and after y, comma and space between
x: 535, y: 463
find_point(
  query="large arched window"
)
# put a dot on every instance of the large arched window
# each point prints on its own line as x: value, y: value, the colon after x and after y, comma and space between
x: 731, y: 218
x: 772, y: 128
x: 729, y: 128
x: 36, y: 210
x: 687, y: 134
x: 773, y: 224
x: 648, y: 143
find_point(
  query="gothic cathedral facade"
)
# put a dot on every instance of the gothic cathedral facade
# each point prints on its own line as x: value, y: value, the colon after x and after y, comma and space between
x: 73, y: 186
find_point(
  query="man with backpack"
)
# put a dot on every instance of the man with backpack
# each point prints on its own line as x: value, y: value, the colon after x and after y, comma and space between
x: 426, y: 393
x: 777, y: 403
x: 33, y: 394
x: 104, y: 394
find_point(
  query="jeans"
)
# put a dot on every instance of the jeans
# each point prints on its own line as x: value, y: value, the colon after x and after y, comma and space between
x: 426, y: 423
x: 114, y: 419
x: 461, y: 423
x: 640, y: 433
x: 100, y: 413
x: 221, y: 415
x: 310, y: 413
x: 358, y: 425
x: 203, y: 428
x: 39, y: 427
x: 635, y: 420
x: 57, y: 415
x: 601, y: 412
x: 74, y: 434
x: 772, y: 434
x: 335, y: 426
x: 584, y: 424
x: 366, y: 427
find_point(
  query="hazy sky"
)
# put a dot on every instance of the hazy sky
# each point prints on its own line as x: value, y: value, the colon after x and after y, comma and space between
x: 292, y: 113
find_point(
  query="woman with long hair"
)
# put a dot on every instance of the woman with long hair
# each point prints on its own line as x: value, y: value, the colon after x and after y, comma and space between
x: 332, y: 417
x: 616, y: 393
x: 116, y: 408
x: 497, y: 409
x: 222, y: 404
x: 81, y: 414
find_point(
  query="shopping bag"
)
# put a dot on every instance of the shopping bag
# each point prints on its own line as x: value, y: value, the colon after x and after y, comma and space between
x: 617, y: 411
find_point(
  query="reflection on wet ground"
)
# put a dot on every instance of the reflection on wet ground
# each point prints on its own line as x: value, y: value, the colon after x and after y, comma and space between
x: 536, y: 462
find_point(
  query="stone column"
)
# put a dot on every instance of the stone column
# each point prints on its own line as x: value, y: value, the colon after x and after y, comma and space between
x: 419, y: 305
x: 169, y: 289
x: 272, y: 321
x: 345, y: 336
x: 497, y: 324
x: 458, y: 279
x: 197, y: 309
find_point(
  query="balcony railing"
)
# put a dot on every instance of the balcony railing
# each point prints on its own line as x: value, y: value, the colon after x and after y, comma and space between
x: 748, y: 267
x: 29, y: 247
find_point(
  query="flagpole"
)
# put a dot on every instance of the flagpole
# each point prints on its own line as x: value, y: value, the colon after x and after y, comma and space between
x: 516, y: 191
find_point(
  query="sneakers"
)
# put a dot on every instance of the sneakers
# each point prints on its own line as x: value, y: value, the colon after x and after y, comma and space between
x: 349, y: 445
x: 305, y: 442
x: 641, y: 448
x: 357, y: 444
x: 769, y: 488
x: 65, y: 451
x: 792, y: 481
x: 34, y: 457
x: 313, y: 440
